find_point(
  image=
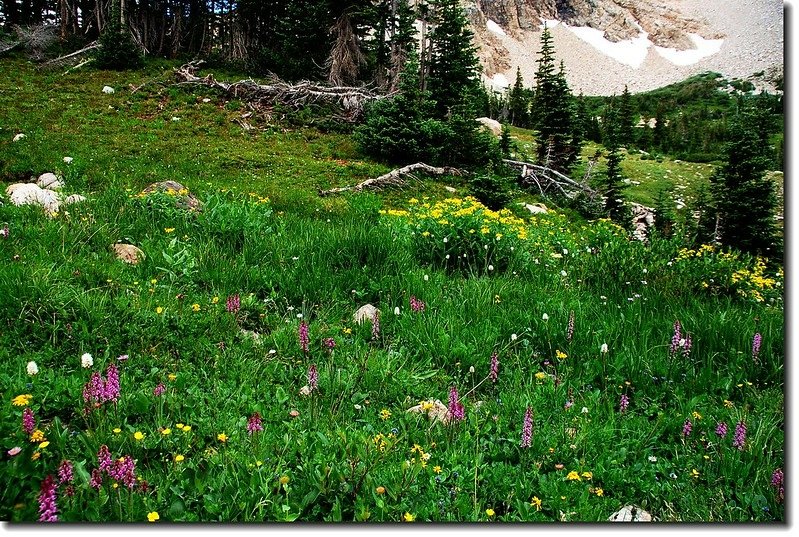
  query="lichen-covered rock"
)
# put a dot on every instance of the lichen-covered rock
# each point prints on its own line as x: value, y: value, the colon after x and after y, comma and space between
x: 128, y: 253
x: 630, y: 513
x: 50, y: 181
x: 366, y: 312
x: 32, y: 194
x: 491, y: 124
x: 183, y: 198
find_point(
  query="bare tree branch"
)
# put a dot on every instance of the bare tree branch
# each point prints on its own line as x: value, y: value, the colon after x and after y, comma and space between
x: 395, y: 177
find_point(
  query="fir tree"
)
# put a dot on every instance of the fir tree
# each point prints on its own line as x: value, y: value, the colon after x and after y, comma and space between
x: 626, y: 118
x: 613, y: 183
x: 517, y: 102
x: 745, y: 198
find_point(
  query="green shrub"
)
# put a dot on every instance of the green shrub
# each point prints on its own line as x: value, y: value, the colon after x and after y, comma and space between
x: 117, y: 50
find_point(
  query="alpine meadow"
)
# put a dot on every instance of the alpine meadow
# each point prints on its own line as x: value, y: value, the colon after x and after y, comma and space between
x: 311, y: 261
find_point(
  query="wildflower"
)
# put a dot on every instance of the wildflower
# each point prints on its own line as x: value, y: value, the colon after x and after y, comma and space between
x: 313, y: 377
x: 570, y: 327
x: 32, y: 368
x: 347, y: 331
x: 573, y: 476
x: 138, y: 435
x: 696, y: 415
x: 186, y: 428
x: 284, y: 479
x: 695, y: 473
x: 47, y: 501
x: 122, y: 357
x: 44, y: 444
x: 437, y: 469
x: 169, y: 229
x: 490, y: 512
x: 330, y: 343
x: 652, y: 458
x: 675, y: 339
x: 94, y: 389
x: 513, y: 337
x: 587, y: 475
x: 255, y: 423
x: 624, y: 402
x: 407, y: 517
x: 4, y: 232
x: 536, y: 502
x: 686, y: 427
x: 540, y: 375
x: 28, y: 421
x: 686, y: 346
x: 728, y: 404
x: 159, y: 390
x: 560, y: 355
x: 777, y: 481
x: 195, y: 307
x: 545, y: 317
x: 22, y: 400
x: 36, y: 455
x: 123, y: 470
x: 215, y: 300
x: 96, y: 480
x: 104, y: 458
x: 385, y: 414
x: 14, y: 451
x: 153, y: 516
x: 117, y: 430
x: 172, y: 377
x: 166, y: 432
x: 37, y: 436
x: 303, y: 336
x: 380, y: 490
x: 493, y: 372
x: 739, y: 439
x: 233, y: 303
x: 604, y: 348
x: 86, y: 360
x: 416, y: 304
x: 599, y: 492
x: 179, y: 458
x: 111, y: 384
x: 527, y: 428
x: 757, y: 340
x: 455, y: 409
x: 159, y: 310
x: 569, y: 403
x: 222, y: 437
x: 376, y: 326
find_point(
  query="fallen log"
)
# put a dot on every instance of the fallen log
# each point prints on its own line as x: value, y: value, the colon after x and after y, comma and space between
x: 554, y: 177
x: 395, y: 177
x: 72, y: 55
x: 350, y: 98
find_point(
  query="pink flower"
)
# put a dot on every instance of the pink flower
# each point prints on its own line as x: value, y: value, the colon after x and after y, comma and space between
x: 570, y: 327
x: 303, y: 336
x: 416, y: 305
x: 493, y: 372
x: 527, y: 428
x: 255, y: 423
x: 624, y: 402
x: 28, y: 421
x: 111, y: 391
x: 313, y: 377
x: 96, y: 480
x: 14, y: 451
x: 233, y: 303
x: 159, y: 390
x: 740, y: 436
x: 104, y: 458
x: 456, y: 410
x: 47, y: 501
x: 65, y: 472
x: 756, y: 342
x: 687, y: 427
x: 675, y: 339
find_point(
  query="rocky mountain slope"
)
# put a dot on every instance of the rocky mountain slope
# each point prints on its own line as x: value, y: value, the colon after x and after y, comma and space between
x: 644, y: 44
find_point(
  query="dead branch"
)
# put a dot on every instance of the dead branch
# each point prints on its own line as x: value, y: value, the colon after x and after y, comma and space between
x: 72, y: 55
x: 395, y: 177
x: 549, y: 177
x: 350, y: 98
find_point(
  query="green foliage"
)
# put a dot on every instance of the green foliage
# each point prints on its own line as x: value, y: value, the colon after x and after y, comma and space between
x: 612, y: 183
x: 492, y: 189
x: 117, y: 49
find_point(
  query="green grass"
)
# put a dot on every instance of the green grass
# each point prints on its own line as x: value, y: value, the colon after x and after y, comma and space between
x: 335, y: 455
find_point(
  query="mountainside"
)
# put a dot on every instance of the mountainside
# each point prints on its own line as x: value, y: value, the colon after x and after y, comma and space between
x: 644, y: 44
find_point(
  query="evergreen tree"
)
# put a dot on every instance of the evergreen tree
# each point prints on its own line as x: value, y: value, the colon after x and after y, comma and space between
x: 505, y: 141
x: 553, y: 112
x: 117, y: 49
x: 613, y: 183
x: 517, y: 102
x: 659, y: 131
x: 454, y: 66
x: 704, y: 229
x: 626, y: 118
x: 745, y: 198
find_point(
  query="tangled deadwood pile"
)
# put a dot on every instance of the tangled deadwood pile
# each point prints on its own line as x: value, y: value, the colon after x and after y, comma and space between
x: 395, y: 178
x: 350, y: 99
x: 545, y: 178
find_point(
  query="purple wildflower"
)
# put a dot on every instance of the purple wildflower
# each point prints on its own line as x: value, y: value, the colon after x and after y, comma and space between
x: 111, y: 391
x: 777, y: 481
x: 527, y: 428
x: 96, y: 480
x: 675, y: 339
x: 47, y: 499
x: 330, y: 343
x: 104, y: 458
x: 233, y: 303
x: 687, y: 427
x: 570, y: 327
x: 740, y: 435
x: 376, y: 325
x: 493, y: 372
x: 686, y: 348
x: 255, y: 423
x: 569, y: 403
x: 65, y: 472
x: 124, y: 470
x: 721, y: 429
x: 456, y: 410
x: 756, y: 342
x: 28, y: 421
x: 159, y: 390
x: 416, y: 305
x: 624, y: 402
x: 313, y: 377
x: 94, y: 389
x: 70, y: 490
x: 303, y: 335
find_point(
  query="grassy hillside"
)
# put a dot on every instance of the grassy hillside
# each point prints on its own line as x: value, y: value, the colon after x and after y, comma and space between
x: 228, y: 380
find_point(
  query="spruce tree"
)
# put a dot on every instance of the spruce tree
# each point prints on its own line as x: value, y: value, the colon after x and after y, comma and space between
x: 626, y: 118
x: 454, y: 66
x: 517, y: 102
x: 745, y: 198
x: 613, y: 184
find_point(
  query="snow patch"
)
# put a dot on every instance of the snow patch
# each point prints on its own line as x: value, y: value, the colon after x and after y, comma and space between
x: 704, y: 48
x: 550, y: 23
x: 630, y: 52
x: 499, y: 81
x: 494, y: 27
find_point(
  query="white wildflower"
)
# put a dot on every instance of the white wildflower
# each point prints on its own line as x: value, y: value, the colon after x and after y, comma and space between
x: 604, y: 348
x: 86, y: 360
x: 32, y: 368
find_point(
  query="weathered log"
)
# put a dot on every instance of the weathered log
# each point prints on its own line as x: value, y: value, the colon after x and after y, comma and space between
x: 395, y: 177
x: 552, y: 176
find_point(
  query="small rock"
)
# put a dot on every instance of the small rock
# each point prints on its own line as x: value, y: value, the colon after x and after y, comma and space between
x: 630, y: 513
x: 19, y: 137
x: 31, y: 194
x: 68, y: 160
x: 74, y: 198
x: 108, y: 90
x: 175, y: 118
x: 491, y: 124
x: 50, y: 181
x: 294, y: 413
x: 206, y: 100
x: 537, y: 208
x: 128, y: 253
x: 436, y: 411
x: 365, y: 312
x: 305, y: 390
x: 450, y: 189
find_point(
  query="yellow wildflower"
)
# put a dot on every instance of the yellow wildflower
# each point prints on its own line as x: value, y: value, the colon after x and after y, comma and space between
x: 36, y: 455
x: 536, y: 502
x: 599, y: 492
x: 179, y: 425
x: 587, y: 475
x: 169, y: 229
x: 117, y: 430
x: 44, y: 444
x: 37, y: 436
x: 195, y: 307
x: 166, y: 431
x: 138, y: 435
x: 222, y: 437
x: 407, y: 517
x: 560, y: 355
x: 159, y: 310
x: 22, y: 400
x: 728, y: 404
x: 573, y: 476
x: 186, y: 428
x: 385, y: 414
x: 490, y: 512
x: 153, y: 516
x: 696, y: 415
x: 695, y: 473
x: 215, y: 300
x: 380, y: 490
x: 179, y: 458
x: 540, y: 375
x: 172, y: 376
x: 284, y: 479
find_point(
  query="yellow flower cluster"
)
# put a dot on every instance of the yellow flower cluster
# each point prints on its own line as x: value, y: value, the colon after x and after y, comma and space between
x: 383, y: 441
x: 22, y: 400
